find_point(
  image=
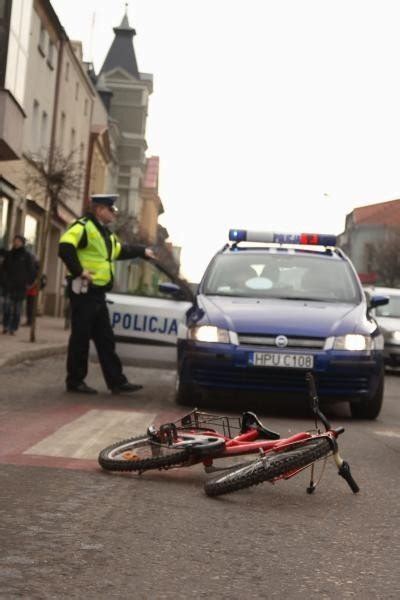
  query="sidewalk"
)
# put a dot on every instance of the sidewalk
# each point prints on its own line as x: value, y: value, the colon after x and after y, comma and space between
x: 51, y: 338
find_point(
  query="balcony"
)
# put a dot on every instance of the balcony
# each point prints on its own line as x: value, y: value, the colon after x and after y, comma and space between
x: 11, y: 124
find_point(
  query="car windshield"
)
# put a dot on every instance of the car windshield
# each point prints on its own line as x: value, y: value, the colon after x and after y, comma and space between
x: 293, y: 276
x: 390, y: 310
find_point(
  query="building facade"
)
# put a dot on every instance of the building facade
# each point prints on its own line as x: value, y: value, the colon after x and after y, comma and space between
x: 127, y: 102
x: 57, y: 101
x: 69, y: 146
x: 15, y: 20
x: 102, y: 174
x: 366, y: 229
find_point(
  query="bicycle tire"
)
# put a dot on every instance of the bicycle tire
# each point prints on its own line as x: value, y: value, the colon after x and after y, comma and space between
x: 108, y: 456
x: 125, y: 455
x: 268, y: 468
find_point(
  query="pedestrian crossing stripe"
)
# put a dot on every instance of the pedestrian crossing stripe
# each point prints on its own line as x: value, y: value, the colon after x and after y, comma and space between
x: 84, y: 437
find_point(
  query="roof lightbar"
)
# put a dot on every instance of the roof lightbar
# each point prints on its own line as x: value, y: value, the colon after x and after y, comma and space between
x: 308, y: 239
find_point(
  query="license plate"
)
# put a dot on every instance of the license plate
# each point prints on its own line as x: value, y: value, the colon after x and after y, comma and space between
x: 281, y: 359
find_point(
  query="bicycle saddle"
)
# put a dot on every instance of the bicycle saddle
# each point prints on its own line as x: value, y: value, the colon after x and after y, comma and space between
x: 250, y: 420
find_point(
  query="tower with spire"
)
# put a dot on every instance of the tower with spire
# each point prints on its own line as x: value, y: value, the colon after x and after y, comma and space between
x: 125, y: 92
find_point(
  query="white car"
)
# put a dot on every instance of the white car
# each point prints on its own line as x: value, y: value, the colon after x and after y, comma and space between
x: 388, y: 317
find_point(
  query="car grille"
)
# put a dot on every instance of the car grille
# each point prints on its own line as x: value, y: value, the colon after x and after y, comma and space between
x: 288, y: 380
x: 269, y: 341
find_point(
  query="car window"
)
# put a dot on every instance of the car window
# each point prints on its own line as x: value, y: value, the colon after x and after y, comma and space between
x: 140, y: 278
x: 389, y: 310
x: 291, y: 276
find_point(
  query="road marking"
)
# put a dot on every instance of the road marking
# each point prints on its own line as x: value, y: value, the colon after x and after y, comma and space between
x: 388, y: 433
x: 85, y: 436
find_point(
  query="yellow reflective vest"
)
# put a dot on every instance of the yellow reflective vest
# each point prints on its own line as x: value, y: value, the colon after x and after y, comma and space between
x: 94, y: 256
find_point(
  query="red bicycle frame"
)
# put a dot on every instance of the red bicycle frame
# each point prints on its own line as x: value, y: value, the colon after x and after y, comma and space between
x: 250, y: 442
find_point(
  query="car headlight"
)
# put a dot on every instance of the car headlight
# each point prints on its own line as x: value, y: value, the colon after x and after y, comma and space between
x: 352, y: 342
x: 210, y: 333
x: 395, y: 336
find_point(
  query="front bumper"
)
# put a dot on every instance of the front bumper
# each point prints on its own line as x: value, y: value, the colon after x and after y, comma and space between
x: 340, y: 376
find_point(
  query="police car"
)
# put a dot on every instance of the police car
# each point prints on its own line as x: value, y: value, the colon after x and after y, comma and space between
x: 147, y: 309
x: 270, y: 307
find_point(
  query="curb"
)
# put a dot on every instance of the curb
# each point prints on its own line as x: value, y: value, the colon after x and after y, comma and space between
x: 33, y: 354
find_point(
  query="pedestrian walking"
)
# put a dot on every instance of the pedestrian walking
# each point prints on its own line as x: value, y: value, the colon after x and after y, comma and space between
x: 89, y: 249
x: 18, y: 274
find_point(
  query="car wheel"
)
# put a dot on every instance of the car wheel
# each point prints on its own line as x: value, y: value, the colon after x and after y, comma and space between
x: 185, y: 394
x: 370, y: 408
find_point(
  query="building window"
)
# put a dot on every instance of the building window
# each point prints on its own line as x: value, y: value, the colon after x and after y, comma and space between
x: 81, y: 164
x: 67, y: 71
x: 35, y: 124
x: 31, y: 232
x: 43, y: 130
x: 86, y: 107
x: 42, y: 40
x: 72, y: 140
x: 76, y: 91
x: 2, y: 8
x: 4, y: 203
x: 5, y: 10
x: 51, y: 55
x: 369, y: 254
x: 62, y: 129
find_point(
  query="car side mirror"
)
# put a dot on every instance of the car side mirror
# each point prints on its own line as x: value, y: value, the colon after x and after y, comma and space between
x: 378, y: 301
x: 172, y: 289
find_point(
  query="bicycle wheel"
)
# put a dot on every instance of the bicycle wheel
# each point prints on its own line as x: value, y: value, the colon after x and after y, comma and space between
x: 142, y: 454
x: 268, y: 468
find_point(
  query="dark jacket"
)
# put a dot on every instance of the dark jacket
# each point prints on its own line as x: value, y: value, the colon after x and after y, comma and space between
x: 19, y: 272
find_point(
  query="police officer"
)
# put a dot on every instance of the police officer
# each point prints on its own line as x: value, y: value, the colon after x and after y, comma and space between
x: 89, y: 249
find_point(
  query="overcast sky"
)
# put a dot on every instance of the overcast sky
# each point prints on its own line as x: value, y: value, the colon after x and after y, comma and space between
x: 266, y: 114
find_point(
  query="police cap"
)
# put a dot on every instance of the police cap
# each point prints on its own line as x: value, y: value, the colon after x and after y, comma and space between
x: 105, y: 200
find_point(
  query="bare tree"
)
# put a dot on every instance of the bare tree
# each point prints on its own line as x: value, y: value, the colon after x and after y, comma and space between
x: 386, y: 259
x: 54, y: 176
x: 127, y: 228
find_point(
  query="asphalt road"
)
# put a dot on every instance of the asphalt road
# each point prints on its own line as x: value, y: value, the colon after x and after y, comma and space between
x: 69, y: 530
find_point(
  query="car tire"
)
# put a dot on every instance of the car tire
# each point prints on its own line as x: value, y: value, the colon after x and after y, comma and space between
x: 370, y: 408
x: 185, y: 394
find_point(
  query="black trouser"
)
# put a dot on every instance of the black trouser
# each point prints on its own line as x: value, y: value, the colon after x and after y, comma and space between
x: 90, y: 320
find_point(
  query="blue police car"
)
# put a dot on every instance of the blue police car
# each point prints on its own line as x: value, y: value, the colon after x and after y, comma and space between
x: 271, y: 307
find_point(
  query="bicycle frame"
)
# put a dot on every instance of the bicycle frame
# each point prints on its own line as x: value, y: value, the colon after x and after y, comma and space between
x: 249, y: 442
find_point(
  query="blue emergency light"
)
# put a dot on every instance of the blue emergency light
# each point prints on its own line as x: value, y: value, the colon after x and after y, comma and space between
x: 304, y: 239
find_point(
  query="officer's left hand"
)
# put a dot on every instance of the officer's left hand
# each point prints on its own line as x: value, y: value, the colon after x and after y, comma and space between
x: 149, y: 253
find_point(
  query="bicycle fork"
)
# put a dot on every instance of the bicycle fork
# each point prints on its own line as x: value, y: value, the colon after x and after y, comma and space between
x: 344, y: 471
x: 342, y: 465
